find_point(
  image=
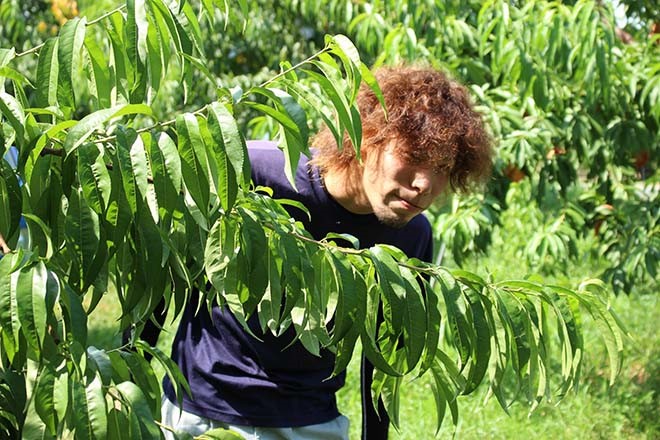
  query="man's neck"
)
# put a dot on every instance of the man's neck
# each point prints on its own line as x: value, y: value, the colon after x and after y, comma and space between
x: 347, y: 191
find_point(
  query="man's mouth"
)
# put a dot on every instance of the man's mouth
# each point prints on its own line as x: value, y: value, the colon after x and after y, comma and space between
x: 410, y: 205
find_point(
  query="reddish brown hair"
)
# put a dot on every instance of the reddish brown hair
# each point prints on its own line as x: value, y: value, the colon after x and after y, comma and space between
x: 432, y: 118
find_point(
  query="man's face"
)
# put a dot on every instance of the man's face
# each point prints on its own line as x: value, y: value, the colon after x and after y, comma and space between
x: 396, y: 190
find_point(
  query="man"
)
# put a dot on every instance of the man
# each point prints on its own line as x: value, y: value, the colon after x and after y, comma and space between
x: 432, y: 141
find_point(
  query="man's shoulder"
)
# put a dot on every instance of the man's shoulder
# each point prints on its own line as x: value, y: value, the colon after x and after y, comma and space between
x: 266, y: 162
x: 264, y: 152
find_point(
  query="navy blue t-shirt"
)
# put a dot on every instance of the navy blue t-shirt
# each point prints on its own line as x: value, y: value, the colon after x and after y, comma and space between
x: 238, y: 379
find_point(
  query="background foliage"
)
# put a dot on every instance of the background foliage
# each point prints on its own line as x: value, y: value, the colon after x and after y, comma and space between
x: 126, y: 126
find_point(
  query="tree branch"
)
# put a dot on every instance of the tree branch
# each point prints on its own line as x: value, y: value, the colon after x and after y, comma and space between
x: 292, y: 68
x: 89, y: 23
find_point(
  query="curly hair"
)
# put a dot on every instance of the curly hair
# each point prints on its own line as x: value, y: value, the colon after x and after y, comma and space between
x: 432, y: 118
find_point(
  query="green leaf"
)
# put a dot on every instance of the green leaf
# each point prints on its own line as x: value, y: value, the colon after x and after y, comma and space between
x: 270, y: 305
x: 227, y: 180
x: 351, y: 310
x: 143, y: 376
x: 177, y: 36
x: 103, y: 364
x: 118, y: 214
x: 102, y: 74
x: 171, y: 369
x: 443, y: 395
x: 234, y: 143
x: 126, y: 138
x: 345, y: 112
x: 220, y: 434
x: 94, y: 177
x: 292, y: 120
x: 44, y: 402
x: 254, y: 242
x: 158, y: 55
x: 194, y: 161
x: 10, y: 201
x: 219, y: 251
x: 354, y: 241
x: 47, y: 73
x: 13, y: 111
x: 92, y: 122
x: 40, y: 236
x: 82, y: 230
x: 191, y: 27
x: 138, y: 405
x: 140, y: 173
x: 6, y: 55
x: 368, y: 335
x: 136, y: 32
x: 303, y: 94
x: 30, y: 293
x: 165, y: 171
x: 117, y: 425
x: 89, y: 410
x: 290, y: 114
x: 481, y: 349
x: 455, y: 317
x: 9, y: 321
x: 75, y: 318
x: 343, y: 47
x: 388, y: 388
x: 71, y: 40
x: 414, y: 318
x: 393, y: 287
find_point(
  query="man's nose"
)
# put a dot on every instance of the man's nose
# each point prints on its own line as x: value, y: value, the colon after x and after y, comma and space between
x: 423, y: 180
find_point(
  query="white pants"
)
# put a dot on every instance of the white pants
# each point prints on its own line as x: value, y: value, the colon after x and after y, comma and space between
x: 183, y: 421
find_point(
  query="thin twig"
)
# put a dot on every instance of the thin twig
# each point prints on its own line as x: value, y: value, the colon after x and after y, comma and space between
x: 106, y: 15
x: 322, y: 243
x: 89, y: 23
x: 292, y: 68
x: 29, y: 51
x: 151, y: 127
